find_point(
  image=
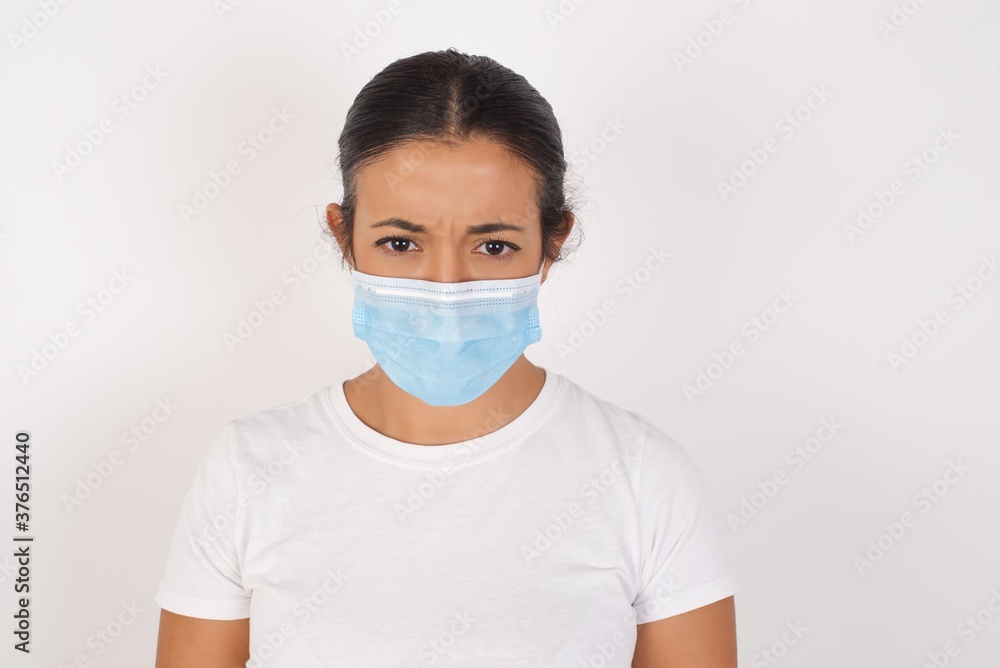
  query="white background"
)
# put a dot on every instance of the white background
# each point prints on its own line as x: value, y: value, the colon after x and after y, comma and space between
x: 655, y: 183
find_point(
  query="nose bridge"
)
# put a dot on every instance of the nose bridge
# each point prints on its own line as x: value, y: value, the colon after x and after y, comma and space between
x: 447, y: 260
x: 446, y: 266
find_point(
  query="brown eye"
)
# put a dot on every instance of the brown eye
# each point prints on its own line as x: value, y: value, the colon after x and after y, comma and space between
x: 398, y: 245
x: 495, y: 249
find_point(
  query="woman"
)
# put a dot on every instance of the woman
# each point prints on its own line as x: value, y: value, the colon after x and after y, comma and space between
x: 456, y: 504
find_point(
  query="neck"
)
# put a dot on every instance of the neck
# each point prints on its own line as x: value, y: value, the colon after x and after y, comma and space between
x: 383, y: 406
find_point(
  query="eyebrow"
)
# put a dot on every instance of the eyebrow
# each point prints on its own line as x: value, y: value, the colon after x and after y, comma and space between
x: 485, y: 228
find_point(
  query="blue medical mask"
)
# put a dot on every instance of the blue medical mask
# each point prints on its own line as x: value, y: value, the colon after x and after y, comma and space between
x: 446, y: 343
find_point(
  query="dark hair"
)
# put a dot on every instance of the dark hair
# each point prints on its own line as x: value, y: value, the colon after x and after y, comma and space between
x: 452, y: 97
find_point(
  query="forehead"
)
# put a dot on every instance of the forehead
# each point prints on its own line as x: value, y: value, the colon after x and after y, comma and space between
x: 432, y: 183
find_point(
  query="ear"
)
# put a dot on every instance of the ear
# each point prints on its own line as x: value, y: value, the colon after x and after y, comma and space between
x: 334, y: 218
x: 335, y: 221
x: 570, y: 222
x: 557, y: 243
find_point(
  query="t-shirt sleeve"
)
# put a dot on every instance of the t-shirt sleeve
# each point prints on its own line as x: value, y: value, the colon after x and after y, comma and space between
x: 202, y: 574
x: 684, y: 562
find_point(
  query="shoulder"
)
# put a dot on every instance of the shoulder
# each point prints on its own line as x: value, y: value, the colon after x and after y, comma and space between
x: 663, y: 458
x: 606, y: 422
x: 266, y: 433
x: 596, y: 413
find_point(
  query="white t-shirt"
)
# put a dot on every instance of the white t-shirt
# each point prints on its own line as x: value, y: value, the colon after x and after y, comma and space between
x: 541, y: 543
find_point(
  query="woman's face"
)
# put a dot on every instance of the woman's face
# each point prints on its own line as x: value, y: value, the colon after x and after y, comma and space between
x: 442, y: 213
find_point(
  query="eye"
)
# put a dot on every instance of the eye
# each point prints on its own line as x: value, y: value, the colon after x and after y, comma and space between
x: 495, y: 249
x: 397, y: 245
